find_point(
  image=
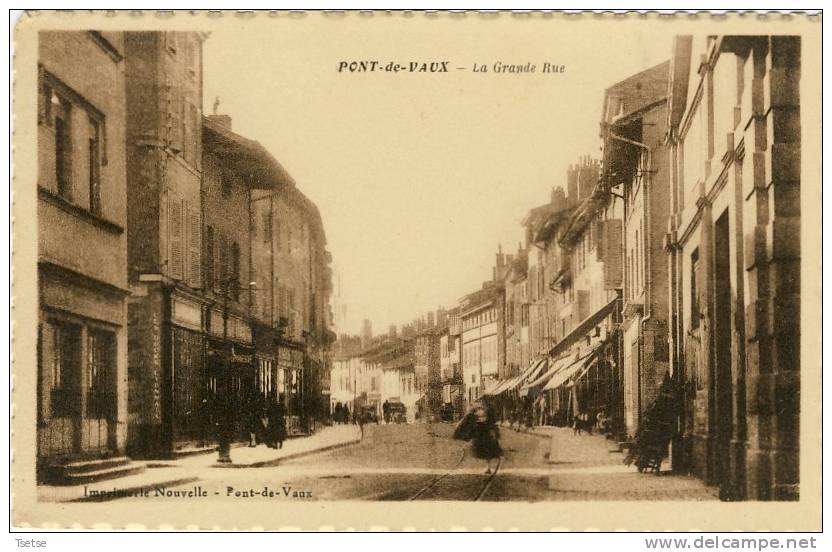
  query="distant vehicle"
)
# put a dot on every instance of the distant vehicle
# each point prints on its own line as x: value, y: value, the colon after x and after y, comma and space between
x: 368, y: 414
x: 397, y: 412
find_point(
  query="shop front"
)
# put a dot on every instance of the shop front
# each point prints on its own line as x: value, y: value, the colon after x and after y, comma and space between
x: 81, y: 400
x: 231, y: 375
x: 290, y: 386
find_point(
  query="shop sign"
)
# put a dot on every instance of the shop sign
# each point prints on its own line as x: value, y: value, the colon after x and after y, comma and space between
x: 186, y: 313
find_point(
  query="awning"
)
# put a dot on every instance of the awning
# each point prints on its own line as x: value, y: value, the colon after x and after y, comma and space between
x: 555, y: 366
x: 583, y: 327
x: 491, y: 390
x: 577, y: 366
x: 532, y: 375
x: 505, y: 385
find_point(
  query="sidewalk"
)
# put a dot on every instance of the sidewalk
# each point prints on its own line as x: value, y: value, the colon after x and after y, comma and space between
x: 189, y: 469
x: 262, y: 456
x: 585, y: 469
x: 537, y: 431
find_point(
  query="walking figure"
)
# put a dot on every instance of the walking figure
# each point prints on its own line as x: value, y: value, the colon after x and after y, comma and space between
x: 480, y: 428
x: 277, y: 425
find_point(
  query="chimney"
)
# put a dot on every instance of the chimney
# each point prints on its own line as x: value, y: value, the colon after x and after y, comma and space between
x: 558, y: 197
x: 572, y: 186
x: 221, y: 120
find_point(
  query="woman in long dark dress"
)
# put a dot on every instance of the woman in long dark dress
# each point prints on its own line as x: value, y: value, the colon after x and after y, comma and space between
x: 277, y: 425
x: 486, y: 437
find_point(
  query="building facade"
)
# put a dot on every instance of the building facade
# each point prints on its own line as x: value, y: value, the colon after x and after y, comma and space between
x: 451, y: 365
x: 482, y: 339
x: 427, y: 369
x: 734, y: 260
x: 82, y: 247
x: 636, y: 166
x: 587, y: 356
x: 164, y: 245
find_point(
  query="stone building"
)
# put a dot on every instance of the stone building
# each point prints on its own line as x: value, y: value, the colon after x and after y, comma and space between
x: 584, y: 376
x: 234, y: 169
x: 482, y: 333
x: 516, y: 316
x: 291, y: 304
x: 427, y: 370
x: 635, y: 165
x: 164, y: 239
x: 450, y: 368
x: 82, y: 247
x: 734, y: 260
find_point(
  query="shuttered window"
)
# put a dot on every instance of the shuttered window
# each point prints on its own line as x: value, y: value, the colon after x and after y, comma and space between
x: 222, y: 265
x: 209, y: 257
x: 613, y: 269
x: 194, y: 248
x: 176, y: 238
x: 235, y: 271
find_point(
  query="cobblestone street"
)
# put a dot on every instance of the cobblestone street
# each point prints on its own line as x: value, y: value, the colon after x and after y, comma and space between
x: 422, y: 462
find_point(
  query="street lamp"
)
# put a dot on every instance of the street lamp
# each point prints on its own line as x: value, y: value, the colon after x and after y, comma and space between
x: 224, y: 430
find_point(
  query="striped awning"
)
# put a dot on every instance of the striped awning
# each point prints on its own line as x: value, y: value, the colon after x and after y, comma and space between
x: 555, y: 366
x: 579, y: 365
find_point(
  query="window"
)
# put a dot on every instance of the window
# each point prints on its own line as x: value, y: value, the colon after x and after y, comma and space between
x: 94, y: 164
x: 694, y: 291
x: 63, y: 149
x: 235, y: 271
x: 101, y: 353
x: 66, y: 369
x: 267, y: 226
x: 265, y: 378
x: 73, y: 147
x: 209, y: 257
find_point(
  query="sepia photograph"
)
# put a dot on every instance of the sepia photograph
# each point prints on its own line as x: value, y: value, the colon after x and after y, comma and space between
x: 416, y: 270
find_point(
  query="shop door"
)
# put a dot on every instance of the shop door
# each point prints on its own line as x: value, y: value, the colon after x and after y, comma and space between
x: 60, y: 377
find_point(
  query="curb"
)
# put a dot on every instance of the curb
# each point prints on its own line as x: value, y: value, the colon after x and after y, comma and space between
x: 136, y: 489
x: 277, y: 461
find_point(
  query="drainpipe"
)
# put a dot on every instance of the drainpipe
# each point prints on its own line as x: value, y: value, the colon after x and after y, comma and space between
x: 647, y: 251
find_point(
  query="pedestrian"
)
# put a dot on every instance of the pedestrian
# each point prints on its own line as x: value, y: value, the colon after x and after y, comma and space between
x: 543, y: 411
x: 346, y: 414
x: 277, y: 425
x: 252, y: 418
x: 486, y: 437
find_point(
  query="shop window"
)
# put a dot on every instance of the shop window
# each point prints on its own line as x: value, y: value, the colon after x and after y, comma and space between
x: 101, y: 358
x: 65, y: 398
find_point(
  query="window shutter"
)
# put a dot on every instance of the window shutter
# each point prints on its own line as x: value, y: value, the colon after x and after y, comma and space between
x: 600, y: 240
x: 613, y: 245
x: 194, y: 249
x: 221, y: 272
x: 175, y: 237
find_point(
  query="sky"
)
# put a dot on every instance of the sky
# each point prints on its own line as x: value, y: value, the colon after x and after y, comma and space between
x: 420, y: 176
